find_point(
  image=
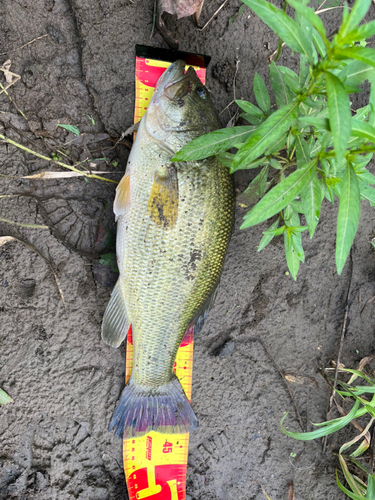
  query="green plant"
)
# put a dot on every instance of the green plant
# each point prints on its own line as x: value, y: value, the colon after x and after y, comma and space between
x: 4, y: 398
x: 362, y: 407
x: 309, y: 147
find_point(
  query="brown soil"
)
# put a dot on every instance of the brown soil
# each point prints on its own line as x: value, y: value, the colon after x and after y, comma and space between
x: 64, y: 381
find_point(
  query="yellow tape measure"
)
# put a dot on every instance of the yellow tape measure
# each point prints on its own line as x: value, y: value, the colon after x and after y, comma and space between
x: 155, y: 464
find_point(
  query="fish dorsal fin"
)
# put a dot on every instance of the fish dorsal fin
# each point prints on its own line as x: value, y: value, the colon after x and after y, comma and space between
x: 122, y: 200
x: 163, y: 200
x: 115, y: 321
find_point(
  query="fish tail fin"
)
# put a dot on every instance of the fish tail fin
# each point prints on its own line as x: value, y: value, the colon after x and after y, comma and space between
x: 165, y: 409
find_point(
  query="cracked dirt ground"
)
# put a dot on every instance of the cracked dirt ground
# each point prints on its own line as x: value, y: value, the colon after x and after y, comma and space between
x: 65, y: 382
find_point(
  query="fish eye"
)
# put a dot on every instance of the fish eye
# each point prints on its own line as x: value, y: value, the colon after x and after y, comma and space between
x: 201, y: 91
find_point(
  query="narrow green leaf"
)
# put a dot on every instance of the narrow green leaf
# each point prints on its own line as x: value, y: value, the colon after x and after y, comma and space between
x: 225, y: 159
x: 250, y: 165
x: 253, y: 120
x: 303, y: 70
x: 319, y: 44
x: 279, y: 197
x: 256, y: 187
x: 362, y: 129
x: 339, y: 113
x: 287, y: 29
x: 4, y: 398
x: 368, y: 193
x: 297, y: 243
x: 268, y: 236
x: 362, y: 32
x: 296, y: 206
x: 311, y: 198
x: 356, y: 15
x: 275, y: 164
x: 275, y: 232
x: 249, y: 108
x: 327, y: 429
x: 292, y: 82
x: 370, y: 487
x: 364, y: 54
x: 261, y: 94
x: 282, y: 93
x: 351, y: 495
x: 277, y: 145
x: 292, y: 258
x: 266, y: 134
x: 371, y: 102
x: 302, y: 151
x: 349, y: 478
x: 363, y: 174
x: 348, y: 216
x: 212, y: 143
x: 69, y: 128
x: 313, y: 104
x: 310, y: 15
x: 318, y: 123
x: 362, y: 113
x: 356, y: 72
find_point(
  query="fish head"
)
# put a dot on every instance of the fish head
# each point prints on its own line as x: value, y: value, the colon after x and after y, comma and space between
x: 181, y: 103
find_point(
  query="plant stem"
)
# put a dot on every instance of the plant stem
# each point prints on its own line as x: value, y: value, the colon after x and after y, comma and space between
x: 280, y: 42
x: 33, y: 226
x: 69, y: 167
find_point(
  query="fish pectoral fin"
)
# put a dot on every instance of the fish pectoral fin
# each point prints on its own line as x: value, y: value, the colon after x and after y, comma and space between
x: 163, y: 201
x: 115, y: 321
x: 122, y: 200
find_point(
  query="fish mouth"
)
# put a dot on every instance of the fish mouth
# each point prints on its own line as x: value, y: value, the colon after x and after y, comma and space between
x: 175, y: 83
x: 172, y: 74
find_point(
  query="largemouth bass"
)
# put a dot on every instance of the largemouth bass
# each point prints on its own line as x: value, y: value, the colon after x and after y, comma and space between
x: 174, y: 223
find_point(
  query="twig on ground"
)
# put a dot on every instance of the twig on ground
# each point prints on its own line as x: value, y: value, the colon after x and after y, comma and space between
x: 258, y: 339
x: 9, y: 78
x: 32, y: 226
x: 6, y: 239
x: 261, y: 485
x: 234, y: 78
x: 233, y: 118
x: 25, y: 45
x: 329, y: 8
x: 226, y: 107
x: 371, y: 299
x: 343, y: 332
x: 38, y: 155
x: 153, y: 20
x: 291, y: 491
x: 211, y: 18
x: 129, y: 131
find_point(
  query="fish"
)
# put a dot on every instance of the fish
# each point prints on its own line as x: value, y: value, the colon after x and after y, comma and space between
x: 174, y: 223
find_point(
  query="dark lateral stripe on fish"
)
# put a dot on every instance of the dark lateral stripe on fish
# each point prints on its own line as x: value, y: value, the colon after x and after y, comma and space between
x: 165, y: 410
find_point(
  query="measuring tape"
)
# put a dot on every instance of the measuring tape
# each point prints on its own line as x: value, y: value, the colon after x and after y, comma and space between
x: 155, y: 464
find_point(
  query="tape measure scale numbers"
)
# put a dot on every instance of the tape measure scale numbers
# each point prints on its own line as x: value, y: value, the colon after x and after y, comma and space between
x: 155, y: 464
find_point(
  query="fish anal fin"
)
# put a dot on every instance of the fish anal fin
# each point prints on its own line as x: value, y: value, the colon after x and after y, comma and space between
x: 122, y: 200
x: 115, y: 321
x: 202, y: 313
x: 163, y: 200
